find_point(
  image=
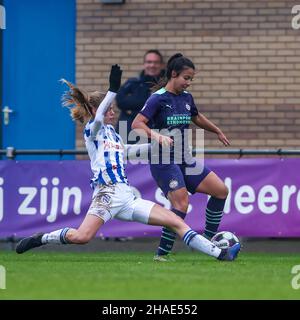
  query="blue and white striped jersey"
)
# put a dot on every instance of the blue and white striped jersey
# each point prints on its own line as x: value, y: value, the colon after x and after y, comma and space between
x: 106, y: 151
x: 106, y: 148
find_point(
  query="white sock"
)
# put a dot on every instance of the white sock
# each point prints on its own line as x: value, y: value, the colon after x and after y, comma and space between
x: 57, y: 236
x: 200, y: 243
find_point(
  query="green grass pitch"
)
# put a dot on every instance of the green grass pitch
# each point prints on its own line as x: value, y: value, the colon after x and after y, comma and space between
x: 119, y: 275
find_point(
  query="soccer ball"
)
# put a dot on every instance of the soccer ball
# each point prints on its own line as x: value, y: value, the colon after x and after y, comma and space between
x: 224, y: 239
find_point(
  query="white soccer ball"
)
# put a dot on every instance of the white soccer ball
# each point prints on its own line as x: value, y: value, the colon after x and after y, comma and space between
x: 224, y: 239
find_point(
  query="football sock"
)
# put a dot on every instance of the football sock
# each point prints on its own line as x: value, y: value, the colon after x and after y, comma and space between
x: 214, y: 213
x: 199, y: 243
x: 168, y: 237
x: 56, y: 237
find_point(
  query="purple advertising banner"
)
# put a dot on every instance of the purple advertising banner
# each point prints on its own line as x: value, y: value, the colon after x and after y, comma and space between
x: 40, y: 196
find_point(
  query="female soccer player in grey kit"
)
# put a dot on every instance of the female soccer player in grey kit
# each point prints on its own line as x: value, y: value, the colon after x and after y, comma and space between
x: 112, y: 196
x: 169, y: 108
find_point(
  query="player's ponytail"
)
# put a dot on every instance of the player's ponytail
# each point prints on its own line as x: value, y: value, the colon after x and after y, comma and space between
x: 81, y: 104
x: 176, y: 63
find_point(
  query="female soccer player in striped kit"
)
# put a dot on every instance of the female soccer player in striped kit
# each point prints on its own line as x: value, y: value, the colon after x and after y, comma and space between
x: 112, y: 196
x: 172, y: 108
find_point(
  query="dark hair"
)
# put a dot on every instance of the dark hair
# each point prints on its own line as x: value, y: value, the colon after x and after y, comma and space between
x: 176, y: 63
x: 155, y: 51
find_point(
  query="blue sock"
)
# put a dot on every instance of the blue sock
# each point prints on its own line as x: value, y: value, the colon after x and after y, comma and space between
x: 214, y: 213
x: 168, y: 237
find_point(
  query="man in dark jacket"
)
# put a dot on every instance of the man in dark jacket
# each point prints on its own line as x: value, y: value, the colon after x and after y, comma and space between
x: 135, y: 91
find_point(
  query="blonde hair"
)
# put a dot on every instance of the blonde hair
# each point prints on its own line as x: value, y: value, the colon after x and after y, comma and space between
x: 81, y: 103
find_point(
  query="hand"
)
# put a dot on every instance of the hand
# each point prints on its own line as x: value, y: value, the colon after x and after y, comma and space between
x: 115, y: 78
x: 223, y: 139
x: 165, y: 141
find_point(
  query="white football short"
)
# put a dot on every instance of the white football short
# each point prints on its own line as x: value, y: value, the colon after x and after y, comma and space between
x: 118, y: 201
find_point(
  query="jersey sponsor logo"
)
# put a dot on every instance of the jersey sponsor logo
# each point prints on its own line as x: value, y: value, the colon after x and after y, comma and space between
x: 108, y: 145
x: 178, y: 119
x: 173, y: 183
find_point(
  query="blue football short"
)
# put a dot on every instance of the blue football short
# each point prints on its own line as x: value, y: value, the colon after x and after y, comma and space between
x: 170, y: 177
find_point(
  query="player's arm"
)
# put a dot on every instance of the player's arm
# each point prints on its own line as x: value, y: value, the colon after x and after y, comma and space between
x: 114, y: 85
x: 201, y: 121
x: 139, y: 124
x: 104, y: 105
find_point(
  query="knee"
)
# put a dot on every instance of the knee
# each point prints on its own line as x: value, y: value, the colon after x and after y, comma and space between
x: 222, y: 193
x: 182, y: 207
x: 181, y: 203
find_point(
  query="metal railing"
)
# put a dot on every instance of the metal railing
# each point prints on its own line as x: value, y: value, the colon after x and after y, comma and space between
x: 11, y: 153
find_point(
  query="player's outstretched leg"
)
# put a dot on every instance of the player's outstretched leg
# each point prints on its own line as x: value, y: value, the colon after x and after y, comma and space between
x: 162, y: 216
x: 200, y: 243
x: 231, y: 253
x: 39, y: 239
x: 82, y: 235
x: 29, y: 243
